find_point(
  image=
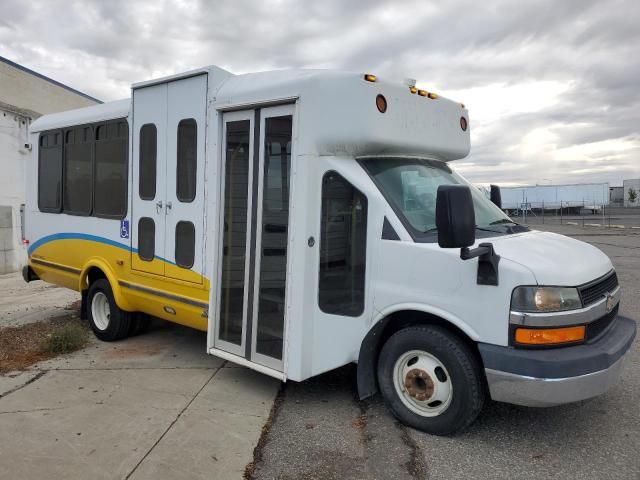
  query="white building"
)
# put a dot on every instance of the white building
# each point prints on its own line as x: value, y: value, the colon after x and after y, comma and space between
x: 24, y: 96
x: 628, y: 185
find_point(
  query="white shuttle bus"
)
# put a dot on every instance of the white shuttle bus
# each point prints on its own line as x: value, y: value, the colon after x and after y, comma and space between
x: 310, y: 219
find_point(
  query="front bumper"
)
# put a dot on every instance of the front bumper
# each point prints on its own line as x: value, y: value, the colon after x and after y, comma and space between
x: 548, y: 377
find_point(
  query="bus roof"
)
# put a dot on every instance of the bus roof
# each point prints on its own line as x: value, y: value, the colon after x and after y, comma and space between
x: 94, y: 113
x: 337, y: 111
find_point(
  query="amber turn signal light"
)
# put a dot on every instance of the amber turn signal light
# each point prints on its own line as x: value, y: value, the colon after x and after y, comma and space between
x: 549, y: 336
x: 369, y: 77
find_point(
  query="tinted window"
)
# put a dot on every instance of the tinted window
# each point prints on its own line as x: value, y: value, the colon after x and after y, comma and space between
x: 50, y: 172
x: 342, y: 247
x: 78, y: 172
x: 186, y: 160
x: 275, y: 223
x: 111, y: 165
x: 146, y: 239
x: 148, y: 149
x: 185, y: 244
x: 236, y: 195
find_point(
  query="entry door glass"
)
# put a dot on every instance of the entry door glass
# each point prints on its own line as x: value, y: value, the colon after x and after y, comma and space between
x: 254, y: 226
x: 235, y: 226
x: 274, y: 227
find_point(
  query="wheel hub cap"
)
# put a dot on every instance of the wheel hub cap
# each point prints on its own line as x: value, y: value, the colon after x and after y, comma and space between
x: 419, y: 384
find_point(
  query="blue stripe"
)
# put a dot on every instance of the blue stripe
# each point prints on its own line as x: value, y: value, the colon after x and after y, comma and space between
x: 83, y: 236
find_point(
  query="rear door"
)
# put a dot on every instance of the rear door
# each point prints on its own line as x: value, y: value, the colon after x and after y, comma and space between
x: 184, y: 208
x: 168, y: 178
x: 149, y: 179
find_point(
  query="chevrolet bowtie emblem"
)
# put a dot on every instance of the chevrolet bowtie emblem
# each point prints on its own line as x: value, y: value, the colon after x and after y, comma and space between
x: 610, y: 302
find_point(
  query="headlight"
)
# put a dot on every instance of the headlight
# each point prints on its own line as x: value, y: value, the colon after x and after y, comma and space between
x: 545, y: 299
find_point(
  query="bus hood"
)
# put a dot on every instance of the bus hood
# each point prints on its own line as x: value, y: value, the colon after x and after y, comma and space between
x: 554, y: 259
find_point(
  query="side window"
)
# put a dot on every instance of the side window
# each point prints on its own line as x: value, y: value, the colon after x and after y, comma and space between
x: 148, y: 151
x: 111, y: 166
x: 187, y: 160
x: 78, y: 171
x: 185, y: 244
x: 343, y: 241
x: 50, y: 172
x: 146, y: 239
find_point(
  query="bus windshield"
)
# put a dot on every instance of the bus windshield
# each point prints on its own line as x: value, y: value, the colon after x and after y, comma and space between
x: 411, y: 186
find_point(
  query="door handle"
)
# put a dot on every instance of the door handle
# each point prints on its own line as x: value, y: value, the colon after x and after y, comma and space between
x: 166, y: 211
x: 158, y: 206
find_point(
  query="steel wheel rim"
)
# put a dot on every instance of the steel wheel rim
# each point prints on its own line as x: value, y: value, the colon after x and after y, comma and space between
x: 423, y: 383
x: 100, y: 311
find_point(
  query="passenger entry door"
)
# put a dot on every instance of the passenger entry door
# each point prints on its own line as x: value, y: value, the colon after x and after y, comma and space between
x: 254, y: 224
x: 168, y: 178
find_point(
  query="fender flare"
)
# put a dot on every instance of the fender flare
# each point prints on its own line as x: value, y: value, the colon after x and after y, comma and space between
x: 367, y: 377
x: 104, y: 266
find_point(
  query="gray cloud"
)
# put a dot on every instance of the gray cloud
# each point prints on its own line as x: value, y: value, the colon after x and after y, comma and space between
x: 577, y: 59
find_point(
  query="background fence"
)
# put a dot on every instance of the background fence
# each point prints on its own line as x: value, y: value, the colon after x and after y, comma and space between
x: 581, y: 214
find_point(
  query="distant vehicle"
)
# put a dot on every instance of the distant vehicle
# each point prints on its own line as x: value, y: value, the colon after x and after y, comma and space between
x: 310, y: 219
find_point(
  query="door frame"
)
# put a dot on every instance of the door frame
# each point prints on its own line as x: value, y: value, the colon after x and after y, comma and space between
x: 270, y: 362
x: 216, y: 288
x: 245, y: 353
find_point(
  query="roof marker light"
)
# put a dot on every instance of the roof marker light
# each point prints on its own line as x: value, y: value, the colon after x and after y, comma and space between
x: 381, y: 103
x: 463, y: 124
x: 432, y: 95
x: 413, y: 89
x: 369, y: 77
x: 462, y: 105
x: 422, y: 93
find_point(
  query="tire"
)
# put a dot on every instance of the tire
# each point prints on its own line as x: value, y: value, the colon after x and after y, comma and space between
x: 108, y: 322
x: 431, y: 380
x: 139, y: 323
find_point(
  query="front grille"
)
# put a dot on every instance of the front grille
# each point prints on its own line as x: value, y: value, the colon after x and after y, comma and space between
x: 597, y: 327
x: 594, y: 291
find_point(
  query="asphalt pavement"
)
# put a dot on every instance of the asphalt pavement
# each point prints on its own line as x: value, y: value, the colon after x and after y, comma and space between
x: 321, y: 430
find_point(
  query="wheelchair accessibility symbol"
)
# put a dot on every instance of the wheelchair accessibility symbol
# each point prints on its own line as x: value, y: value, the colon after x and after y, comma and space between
x: 124, y: 228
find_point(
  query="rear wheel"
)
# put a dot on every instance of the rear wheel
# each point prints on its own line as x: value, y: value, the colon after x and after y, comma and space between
x: 107, y: 321
x: 431, y: 380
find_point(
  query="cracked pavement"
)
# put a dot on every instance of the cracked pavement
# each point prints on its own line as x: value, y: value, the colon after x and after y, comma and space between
x: 152, y: 406
x: 321, y: 430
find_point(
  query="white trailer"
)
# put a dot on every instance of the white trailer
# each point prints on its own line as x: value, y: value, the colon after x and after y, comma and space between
x: 310, y: 219
x: 593, y: 196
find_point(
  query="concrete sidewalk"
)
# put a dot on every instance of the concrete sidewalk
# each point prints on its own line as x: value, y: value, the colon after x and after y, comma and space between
x: 152, y: 406
x: 22, y: 302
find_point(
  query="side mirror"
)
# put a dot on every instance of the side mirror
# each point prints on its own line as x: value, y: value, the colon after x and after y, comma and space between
x: 455, y: 216
x: 496, y: 197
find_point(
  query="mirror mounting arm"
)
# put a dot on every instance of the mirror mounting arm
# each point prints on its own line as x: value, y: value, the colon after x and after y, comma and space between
x: 487, y: 262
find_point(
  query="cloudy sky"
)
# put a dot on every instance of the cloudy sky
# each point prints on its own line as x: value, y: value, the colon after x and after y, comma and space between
x: 553, y: 87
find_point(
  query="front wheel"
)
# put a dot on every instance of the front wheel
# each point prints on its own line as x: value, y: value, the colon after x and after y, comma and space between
x: 431, y: 380
x: 108, y: 322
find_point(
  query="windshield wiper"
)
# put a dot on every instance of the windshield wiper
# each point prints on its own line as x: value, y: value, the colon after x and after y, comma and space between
x: 488, y: 230
x: 503, y: 220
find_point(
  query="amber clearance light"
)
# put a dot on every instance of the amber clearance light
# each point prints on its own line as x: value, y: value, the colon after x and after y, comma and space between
x: 549, y: 336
